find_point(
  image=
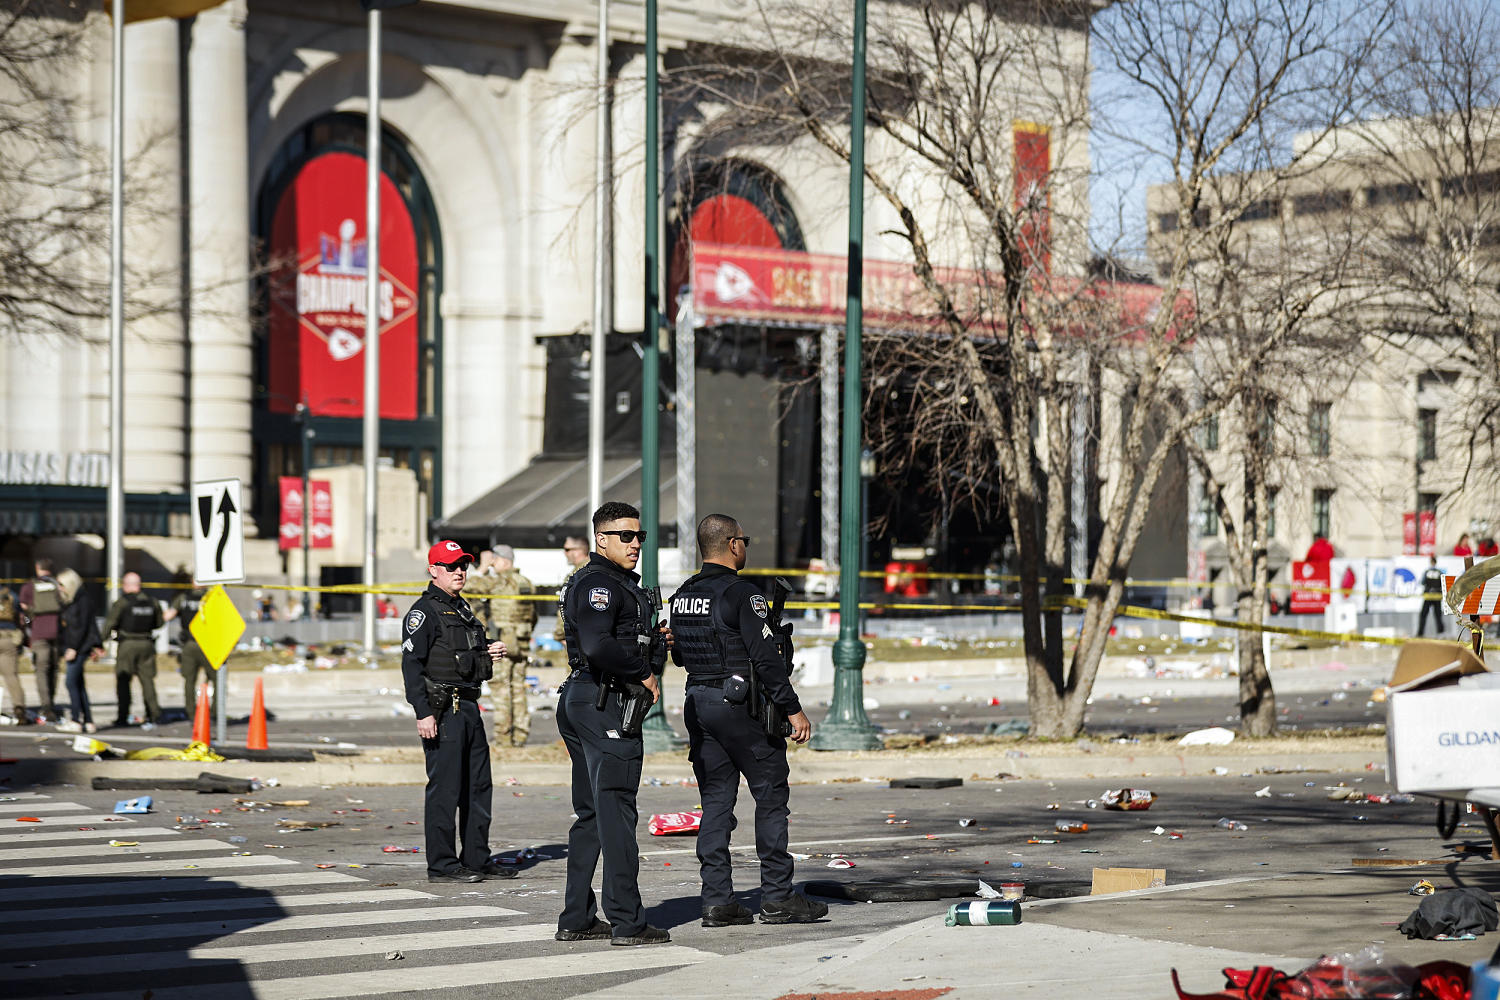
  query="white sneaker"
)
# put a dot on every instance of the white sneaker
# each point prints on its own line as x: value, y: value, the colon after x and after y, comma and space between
x: 69, y: 726
x: 89, y: 727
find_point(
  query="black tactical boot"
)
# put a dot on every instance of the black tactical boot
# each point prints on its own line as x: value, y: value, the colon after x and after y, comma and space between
x: 597, y: 931
x: 650, y: 935
x: 728, y: 913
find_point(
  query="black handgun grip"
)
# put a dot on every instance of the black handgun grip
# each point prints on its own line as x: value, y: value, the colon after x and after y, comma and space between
x: 603, y: 697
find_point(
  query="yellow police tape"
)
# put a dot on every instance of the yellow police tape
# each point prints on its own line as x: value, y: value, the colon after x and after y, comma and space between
x: 1131, y: 611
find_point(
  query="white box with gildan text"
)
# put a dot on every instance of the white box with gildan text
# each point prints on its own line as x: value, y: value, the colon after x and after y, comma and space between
x: 1444, y: 739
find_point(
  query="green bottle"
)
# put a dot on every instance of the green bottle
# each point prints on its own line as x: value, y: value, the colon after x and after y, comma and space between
x: 984, y: 911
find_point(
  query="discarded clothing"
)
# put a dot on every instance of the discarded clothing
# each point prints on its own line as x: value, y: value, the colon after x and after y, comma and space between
x: 1452, y: 912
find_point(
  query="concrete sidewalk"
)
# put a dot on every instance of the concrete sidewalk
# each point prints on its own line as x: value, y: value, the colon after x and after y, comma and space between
x: 1117, y: 947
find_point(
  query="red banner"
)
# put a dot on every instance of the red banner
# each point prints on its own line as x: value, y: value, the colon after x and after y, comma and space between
x: 1033, y: 192
x: 790, y: 286
x: 320, y: 523
x: 1409, y: 534
x: 1310, y: 587
x: 1427, y: 533
x: 317, y: 322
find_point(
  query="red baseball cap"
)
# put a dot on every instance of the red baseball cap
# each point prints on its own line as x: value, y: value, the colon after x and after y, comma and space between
x: 446, y: 553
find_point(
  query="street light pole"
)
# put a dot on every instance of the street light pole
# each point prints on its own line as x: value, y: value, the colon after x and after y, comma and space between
x: 846, y: 726
x: 372, y: 330
x: 306, y: 434
x: 115, y: 516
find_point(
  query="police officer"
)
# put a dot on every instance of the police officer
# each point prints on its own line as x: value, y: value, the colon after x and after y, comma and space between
x: 445, y: 657
x: 606, y: 614
x: 1432, y: 593
x: 132, y: 619
x: 184, y: 608
x: 723, y: 633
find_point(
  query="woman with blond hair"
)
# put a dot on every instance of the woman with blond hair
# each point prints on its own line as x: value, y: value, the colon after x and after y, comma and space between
x: 80, y: 640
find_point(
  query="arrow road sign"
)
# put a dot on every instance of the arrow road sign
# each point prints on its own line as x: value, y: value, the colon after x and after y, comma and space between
x: 218, y: 532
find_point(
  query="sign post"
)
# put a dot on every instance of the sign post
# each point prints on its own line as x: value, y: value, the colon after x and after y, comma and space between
x: 218, y: 557
x: 218, y: 626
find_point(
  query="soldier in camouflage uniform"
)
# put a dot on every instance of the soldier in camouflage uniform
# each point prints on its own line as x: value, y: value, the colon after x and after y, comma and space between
x: 480, y: 583
x: 512, y: 622
x: 11, y: 639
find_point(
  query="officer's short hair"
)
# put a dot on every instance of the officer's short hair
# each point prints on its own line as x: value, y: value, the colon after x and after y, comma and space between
x: 44, y: 565
x: 614, y: 510
x: 714, y: 533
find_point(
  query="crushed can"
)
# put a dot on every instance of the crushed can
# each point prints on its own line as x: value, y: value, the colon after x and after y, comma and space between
x: 981, y: 912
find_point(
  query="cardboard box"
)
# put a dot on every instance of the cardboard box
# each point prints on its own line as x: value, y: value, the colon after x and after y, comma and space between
x: 1107, y: 880
x: 1440, y: 737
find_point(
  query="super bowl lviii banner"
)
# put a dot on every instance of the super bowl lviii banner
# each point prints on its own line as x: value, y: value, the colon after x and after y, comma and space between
x: 317, y: 321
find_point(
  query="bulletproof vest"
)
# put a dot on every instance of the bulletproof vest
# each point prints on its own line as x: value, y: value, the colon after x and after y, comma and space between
x: 705, y: 645
x: 139, y: 617
x: 7, y: 606
x: 187, y: 611
x: 625, y: 630
x: 459, y: 654
x: 46, y: 599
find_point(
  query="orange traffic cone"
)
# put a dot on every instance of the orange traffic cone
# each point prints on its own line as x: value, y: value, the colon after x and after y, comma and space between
x: 200, y: 717
x: 256, y: 740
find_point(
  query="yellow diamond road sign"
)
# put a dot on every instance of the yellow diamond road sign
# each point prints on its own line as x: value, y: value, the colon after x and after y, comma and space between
x: 217, y: 626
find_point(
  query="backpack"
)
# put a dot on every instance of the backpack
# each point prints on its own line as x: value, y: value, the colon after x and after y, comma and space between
x: 7, y: 605
x: 46, y: 599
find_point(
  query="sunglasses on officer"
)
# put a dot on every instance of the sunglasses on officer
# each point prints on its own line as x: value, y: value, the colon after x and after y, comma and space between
x: 627, y: 535
x: 741, y: 538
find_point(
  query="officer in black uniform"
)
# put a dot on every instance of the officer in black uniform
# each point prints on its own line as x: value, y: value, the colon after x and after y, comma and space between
x: 606, y: 616
x: 445, y: 657
x: 1432, y: 593
x: 722, y: 633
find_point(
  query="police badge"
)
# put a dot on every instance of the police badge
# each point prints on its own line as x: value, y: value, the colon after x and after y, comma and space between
x: 599, y: 598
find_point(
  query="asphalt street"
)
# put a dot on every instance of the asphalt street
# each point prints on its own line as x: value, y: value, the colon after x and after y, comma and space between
x: 321, y: 910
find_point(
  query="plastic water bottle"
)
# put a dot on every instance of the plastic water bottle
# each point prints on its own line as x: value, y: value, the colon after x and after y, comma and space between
x: 983, y: 912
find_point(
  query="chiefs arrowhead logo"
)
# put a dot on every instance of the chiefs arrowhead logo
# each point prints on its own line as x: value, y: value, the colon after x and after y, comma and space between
x: 343, y: 345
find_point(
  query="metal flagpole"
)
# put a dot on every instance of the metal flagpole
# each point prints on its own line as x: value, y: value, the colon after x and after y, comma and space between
x: 602, y: 309
x: 372, y: 326
x: 846, y: 726
x: 115, y: 549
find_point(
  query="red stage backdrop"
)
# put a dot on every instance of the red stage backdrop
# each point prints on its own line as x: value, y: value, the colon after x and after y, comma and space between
x: 317, y: 323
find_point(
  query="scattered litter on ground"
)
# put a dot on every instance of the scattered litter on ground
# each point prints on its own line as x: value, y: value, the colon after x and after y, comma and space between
x: 1232, y: 824
x: 1108, y: 880
x: 394, y: 956
x: 668, y: 824
x: 1422, y: 888
x: 986, y: 891
x: 28, y: 819
x: 1216, y: 736
x: 1126, y: 799
x: 988, y: 912
x: 134, y: 806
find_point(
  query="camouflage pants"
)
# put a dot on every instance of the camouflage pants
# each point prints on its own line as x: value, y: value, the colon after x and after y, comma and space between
x: 10, y: 672
x: 508, y: 696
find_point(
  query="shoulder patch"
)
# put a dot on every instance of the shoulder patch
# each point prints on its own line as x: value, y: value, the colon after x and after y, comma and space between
x: 599, y: 598
x: 414, y: 620
x: 759, y: 606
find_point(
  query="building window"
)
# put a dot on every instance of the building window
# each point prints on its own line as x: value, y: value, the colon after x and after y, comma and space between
x: 1208, y: 514
x: 1322, y: 201
x: 1320, y: 429
x: 1166, y: 222
x: 1265, y: 208
x: 1322, y: 513
x: 1209, y: 433
x: 1427, y: 502
x: 1271, y: 496
x: 1392, y: 194
x: 1427, y: 435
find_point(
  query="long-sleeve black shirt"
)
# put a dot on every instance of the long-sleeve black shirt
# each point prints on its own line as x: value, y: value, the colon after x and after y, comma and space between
x: 603, y: 609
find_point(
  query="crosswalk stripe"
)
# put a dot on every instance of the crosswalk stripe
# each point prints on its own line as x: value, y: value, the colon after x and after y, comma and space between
x: 8, y: 796
x: 186, y: 883
x: 354, y: 984
x: 219, y: 906
x: 231, y: 950
x: 104, y: 821
x: 102, y: 850
x: 207, y: 865
x: 253, y: 925
x: 27, y: 808
x: 56, y: 833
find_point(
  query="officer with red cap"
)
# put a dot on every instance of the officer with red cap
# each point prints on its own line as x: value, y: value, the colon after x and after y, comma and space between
x: 445, y: 657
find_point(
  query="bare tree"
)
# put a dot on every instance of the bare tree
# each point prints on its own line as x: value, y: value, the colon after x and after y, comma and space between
x: 54, y: 182
x: 1013, y: 362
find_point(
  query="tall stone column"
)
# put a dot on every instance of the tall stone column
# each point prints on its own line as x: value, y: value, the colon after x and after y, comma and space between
x: 155, y: 355
x: 219, y: 440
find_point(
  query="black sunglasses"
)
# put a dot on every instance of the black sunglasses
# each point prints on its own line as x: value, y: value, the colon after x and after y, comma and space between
x: 741, y: 538
x: 627, y: 536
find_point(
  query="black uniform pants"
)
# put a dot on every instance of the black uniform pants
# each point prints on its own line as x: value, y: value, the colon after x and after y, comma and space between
x: 458, y: 779
x: 724, y: 742
x: 606, y: 777
x: 1430, y: 607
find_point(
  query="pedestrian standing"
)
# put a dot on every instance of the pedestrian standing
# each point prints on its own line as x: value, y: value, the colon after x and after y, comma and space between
x: 42, y: 605
x: 724, y: 637
x: 576, y: 551
x: 445, y: 657
x: 608, y: 621
x: 190, y: 657
x: 512, y: 618
x: 11, y: 639
x: 1432, y: 594
x: 132, y: 619
x: 80, y: 640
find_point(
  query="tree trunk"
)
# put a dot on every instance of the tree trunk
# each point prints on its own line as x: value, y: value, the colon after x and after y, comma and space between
x: 1257, y: 700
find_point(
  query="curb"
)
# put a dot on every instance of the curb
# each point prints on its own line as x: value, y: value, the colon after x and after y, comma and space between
x: 674, y: 768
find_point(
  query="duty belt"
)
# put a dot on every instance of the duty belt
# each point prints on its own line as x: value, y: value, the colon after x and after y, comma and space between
x: 124, y: 636
x: 707, y: 682
x: 451, y: 693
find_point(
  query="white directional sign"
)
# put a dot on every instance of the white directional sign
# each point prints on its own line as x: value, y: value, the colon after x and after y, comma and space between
x: 218, y: 532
